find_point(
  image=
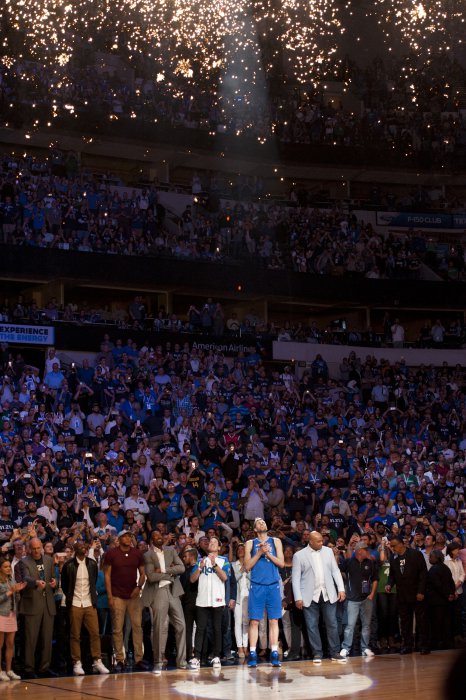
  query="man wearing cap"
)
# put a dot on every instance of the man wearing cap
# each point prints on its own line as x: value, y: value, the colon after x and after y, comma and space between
x: 162, y: 594
x: 122, y: 566
x: 317, y: 586
x: 78, y: 582
x: 114, y: 516
x: 361, y: 586
x: 263, y: 558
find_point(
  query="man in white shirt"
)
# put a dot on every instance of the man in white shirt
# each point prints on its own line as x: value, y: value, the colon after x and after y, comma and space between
x: 317, y: 586
x: 162, y: 593
x: 254, y: 500
x: 136, y: 502
x: 47, y: 511
x: 191, y: 528
x: 78, y: 581
x: 398, y: 334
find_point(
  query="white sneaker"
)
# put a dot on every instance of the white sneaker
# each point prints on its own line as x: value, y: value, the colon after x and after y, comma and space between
x: 317, y: 660
x: 344, y: 653
x: 216, y: 663
x: 368, y: 652
x: 99, y: 667
x: 78, y: 669
x: 194, y: 664
x: 13, y: 676
x: 3, y: 676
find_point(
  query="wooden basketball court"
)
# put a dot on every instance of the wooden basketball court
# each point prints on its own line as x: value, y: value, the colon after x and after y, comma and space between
x: 380, y: 678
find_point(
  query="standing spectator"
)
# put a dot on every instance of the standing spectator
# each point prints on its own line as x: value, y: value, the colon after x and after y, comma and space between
x: 122, y: 566
x: 408, y: 571
x: 189, y: 558
x: 162, y: 594
x: 398, y: 334
x: 243, y: 581
x: 440, y: 592
x: 37, y: 604
x: 254, y: 500
x: 78, y: 583
x: 264, y: 558
x: 361, y: 585
x: 387, y: 609
x: 8, y: 622
x: 316, y: 579
x: 211, y: 573
x: 438, y: 333
x: 458, y: 612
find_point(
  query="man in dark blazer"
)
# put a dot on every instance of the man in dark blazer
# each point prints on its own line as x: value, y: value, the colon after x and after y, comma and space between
x: 408, y: 571
x: 78, y: 582
x: 162, y: 594
x: 37, y: 604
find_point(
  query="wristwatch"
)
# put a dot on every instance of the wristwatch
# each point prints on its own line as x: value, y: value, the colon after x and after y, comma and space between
x: 214, y: 566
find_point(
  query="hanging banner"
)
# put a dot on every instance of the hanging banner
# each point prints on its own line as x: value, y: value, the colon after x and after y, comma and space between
x: 27, y: 335
x: 420, y: 220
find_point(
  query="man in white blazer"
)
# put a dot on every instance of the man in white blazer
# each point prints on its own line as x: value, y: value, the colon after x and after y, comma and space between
x: 317, y: 586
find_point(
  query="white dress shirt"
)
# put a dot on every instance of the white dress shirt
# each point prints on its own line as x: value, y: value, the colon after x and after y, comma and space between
x: 82, y: 591
x: 319, y: 585
x: 161, y: 558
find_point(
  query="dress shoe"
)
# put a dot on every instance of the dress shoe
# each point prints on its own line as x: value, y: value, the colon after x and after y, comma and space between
x: 48, y: 674
x: 30, y: 675
x: 140, y: 666
x: 119, y: 667
x: 424, y: 652
x: 293, y: 657
x: 406, y: 650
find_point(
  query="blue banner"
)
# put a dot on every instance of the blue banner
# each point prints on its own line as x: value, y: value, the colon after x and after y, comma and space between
x: 31, y: 335
x: 420, y: 219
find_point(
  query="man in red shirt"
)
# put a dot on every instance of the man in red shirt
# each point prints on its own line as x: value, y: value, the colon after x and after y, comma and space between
x: 121, y: 568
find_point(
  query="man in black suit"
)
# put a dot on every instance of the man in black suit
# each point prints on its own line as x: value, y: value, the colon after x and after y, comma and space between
x: 37, y: 604
x: 408, y: 571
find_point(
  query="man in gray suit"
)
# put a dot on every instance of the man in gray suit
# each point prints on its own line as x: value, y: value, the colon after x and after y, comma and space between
x: 37, y: 604
x: 317, y: 586
x: 162, y: 594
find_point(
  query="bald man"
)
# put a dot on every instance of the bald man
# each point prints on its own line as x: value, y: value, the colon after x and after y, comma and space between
x: 317, y: 586
x: 37, y: 604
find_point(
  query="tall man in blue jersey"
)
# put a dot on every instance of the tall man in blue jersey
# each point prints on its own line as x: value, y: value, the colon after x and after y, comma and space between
x: 263, y: 558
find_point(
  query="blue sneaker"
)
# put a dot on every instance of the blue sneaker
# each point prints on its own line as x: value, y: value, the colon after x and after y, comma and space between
x: 274, y: 660
x: 252, y: 659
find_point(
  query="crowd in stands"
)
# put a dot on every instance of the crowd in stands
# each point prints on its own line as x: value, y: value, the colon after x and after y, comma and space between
x: 410, y: 111
x: 75, y: 211
x: 211, y: 319
x: 175, y: 446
